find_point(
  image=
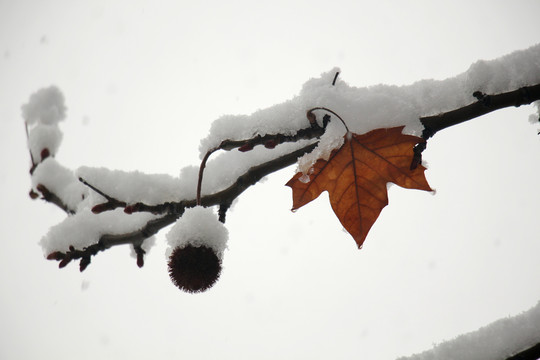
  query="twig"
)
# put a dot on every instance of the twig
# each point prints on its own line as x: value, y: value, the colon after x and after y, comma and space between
x: 270, y: 141
x: 532, y: 353
x: 173, y: 210
x: 107, y: 241
x: 52, y: 198
x: 228, y: 195
x: 335, y: 78
x: 111, y: 203
x: 176, y: 209
x: 484, y: 105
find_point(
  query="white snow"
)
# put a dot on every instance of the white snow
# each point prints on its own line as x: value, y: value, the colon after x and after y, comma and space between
x: 499, y: 340
x: 42, y: 137
x: 221, y: 171
x: 363, y: 109
x: 44, y: 110
x: 60, y: 181
x: 45, y: 106
x: 198, y: 226
x: 85, y: 228
x: 368, y: 108
x: 146, y: 246
x: 133, y: 186
x: 535, y: 118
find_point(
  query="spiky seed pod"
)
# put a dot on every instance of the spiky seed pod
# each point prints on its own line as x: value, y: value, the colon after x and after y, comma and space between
x: 196, y: 245
x: 194, y: 268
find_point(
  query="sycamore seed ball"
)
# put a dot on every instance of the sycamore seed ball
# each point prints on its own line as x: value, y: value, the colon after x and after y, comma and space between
x: 196, y: 244
x: 194, y: 268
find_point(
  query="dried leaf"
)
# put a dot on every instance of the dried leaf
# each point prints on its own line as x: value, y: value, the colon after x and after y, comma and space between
x: 356, y: 177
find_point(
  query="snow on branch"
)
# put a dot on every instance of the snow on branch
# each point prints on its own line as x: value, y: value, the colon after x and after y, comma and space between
x: 108, y: 208
x: 512, y: 338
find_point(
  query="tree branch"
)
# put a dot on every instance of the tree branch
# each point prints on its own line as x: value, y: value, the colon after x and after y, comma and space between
x: 224, y: 198
x: 173, y: 210
x: 484, y: 105
x: 532, y: 353
x: 228, y: 195
x: 269, y: 141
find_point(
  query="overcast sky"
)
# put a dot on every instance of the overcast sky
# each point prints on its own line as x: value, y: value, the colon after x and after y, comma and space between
x: 143, y: 81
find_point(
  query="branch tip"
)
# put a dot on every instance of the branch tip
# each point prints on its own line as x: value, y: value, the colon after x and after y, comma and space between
x: 83, y: 264
x: 66, y: 260
x: 140, y: 260
x: 33, y: 195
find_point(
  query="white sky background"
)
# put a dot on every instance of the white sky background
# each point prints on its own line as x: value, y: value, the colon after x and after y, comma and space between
x: 144, y: 81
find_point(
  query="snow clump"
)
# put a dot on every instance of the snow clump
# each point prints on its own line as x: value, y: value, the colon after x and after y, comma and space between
x: 198, y: 226
x: 44, y: 110
x: 46, y: 106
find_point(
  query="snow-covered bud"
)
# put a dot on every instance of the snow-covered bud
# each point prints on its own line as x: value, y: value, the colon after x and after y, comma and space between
x: 196, y: 245
x: 44, y: 137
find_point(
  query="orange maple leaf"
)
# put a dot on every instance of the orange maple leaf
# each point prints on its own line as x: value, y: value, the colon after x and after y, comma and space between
x: 356, y: 175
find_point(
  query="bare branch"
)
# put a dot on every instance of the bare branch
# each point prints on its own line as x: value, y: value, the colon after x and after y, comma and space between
x: 532, y: 353
x: 173, y: 210
x: 107, y: 241
x: 270, y: 141
x: 228, y: 195
x: 111, y: 203
x: 484, y: 105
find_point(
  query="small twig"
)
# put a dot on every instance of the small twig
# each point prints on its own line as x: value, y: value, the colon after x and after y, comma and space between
x: 270, y: 141
x: 52, y: 198
x: 111, y: 203
x: 173, y: 210
x: 109, y: 198
x: 164, y: 208
x: 107, y: 241
x: 34, y: 165
x: 85, y: 255
x: 222, y: 198
x: 532, y: 353
x: 222, y: 212
x: 335, y: 78
x: 228, y: 195
x: 484, y: 105
x: 139, y: 251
